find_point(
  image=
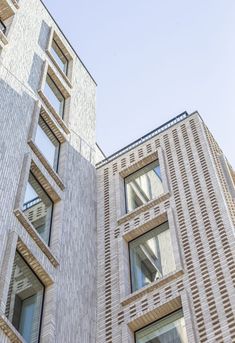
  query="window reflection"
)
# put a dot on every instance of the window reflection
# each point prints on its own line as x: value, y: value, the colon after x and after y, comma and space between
x: 143, y: 186
x: 151, y: 257
x: 170, y: 329
x: 38, y: 208
x: 47, y: 143
x: 59, y: 56
x: 54, y: 96
x: 25, y: 297
x: 3, y: 26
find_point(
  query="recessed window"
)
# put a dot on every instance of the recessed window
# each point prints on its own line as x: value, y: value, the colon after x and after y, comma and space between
x: 143, y: 186
x: 170, y: 329
x: 54, y: 96
x: 47, y: 143
x: 38, y: 208
x: 2, y: 27
x: 25, y: 300
x: 59, y: 56
x: 151, y: 257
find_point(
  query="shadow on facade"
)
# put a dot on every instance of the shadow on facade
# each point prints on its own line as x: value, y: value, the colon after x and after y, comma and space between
x: 35, y: 72
x: 44, y: 35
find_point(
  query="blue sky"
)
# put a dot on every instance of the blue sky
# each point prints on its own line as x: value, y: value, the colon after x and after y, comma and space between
x: 153, y: 59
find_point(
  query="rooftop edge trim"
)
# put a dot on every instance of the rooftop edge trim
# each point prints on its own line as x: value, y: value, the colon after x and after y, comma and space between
x: 67, y: 40
x: 145, y: 138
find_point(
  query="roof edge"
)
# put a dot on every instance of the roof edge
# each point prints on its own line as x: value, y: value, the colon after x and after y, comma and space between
x: 67, y: 40
x: 182, y: 116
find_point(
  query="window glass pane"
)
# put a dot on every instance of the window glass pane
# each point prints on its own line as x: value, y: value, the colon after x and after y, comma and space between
x: 59, y: 56
x: 54, y: 95
x: 143, y: 186
x: 25, y: 297
x: 26, y: 317
x: 38, y: 208
x: 170, y: 329
x: 47, y: 143
x: 151, y: 257
x: 2, y: 27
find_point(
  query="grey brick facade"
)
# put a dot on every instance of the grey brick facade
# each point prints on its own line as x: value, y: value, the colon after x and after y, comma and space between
x: 86, y: 267
x: 68, y: 266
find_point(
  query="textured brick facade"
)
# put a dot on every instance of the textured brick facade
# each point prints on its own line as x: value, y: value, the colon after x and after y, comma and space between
x: 67, y: 267
x: 199, y: 206
x: 86, y: 267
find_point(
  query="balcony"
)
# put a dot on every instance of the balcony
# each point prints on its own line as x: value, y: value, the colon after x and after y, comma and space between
x: 7, y: 8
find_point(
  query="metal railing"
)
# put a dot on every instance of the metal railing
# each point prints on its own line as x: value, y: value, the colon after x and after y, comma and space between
x: 31, y: 203
x: 143, y: 139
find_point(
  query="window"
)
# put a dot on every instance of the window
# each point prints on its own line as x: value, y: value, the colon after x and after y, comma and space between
x: 2, y: 27
x: 143, y: 186
x: 38, y: 208
x: 169, y: 329
x: 151, y: 257
x: 228, y: 174
x: 25, y: 300
x: 59, y: 56
x: 47, y: 143
x: 54, y: 96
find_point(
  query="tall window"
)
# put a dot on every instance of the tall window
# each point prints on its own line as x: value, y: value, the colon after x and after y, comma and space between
x: 25, y: 299
x: 47, y: 143
x: 38, y: 208
x: 59, y: 56
x: 170, y: 329
x: 151, y: 257
x: 143, y: 186
x: 54, y: 96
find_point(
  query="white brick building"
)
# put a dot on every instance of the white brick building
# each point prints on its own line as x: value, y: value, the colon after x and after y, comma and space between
x: 191, y: 217
x: 137, y: 248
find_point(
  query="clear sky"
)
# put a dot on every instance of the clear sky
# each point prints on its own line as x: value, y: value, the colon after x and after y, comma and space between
x: 153, y: 59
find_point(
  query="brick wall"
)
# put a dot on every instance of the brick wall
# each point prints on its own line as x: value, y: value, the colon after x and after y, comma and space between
x: 202, y: 235
x: 68, y: 266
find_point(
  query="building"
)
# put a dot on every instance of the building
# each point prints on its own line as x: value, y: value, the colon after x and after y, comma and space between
x: 166, y: 217
x: 138, y: 247
x: 47, y: 181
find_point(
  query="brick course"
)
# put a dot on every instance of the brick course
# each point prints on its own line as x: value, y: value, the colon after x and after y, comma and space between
x: 201, y: 216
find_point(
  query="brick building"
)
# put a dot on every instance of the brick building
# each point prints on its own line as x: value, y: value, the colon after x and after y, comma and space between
x: 166, y: 267
x: 138, y: 247
x: 47, y: 181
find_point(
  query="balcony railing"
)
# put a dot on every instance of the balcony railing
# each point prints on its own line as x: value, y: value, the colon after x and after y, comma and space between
x: 31, y: 203
x: 143, y: 139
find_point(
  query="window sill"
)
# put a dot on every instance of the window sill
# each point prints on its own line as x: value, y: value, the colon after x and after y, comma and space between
x: 66, y: 79
x: 35, y: 236
x: 154, y: 285
x: 53, y: 111
x: 10, y: 331
x: 3, y: 39
x: 47, y: 166
x: 138, y: 210
x: 7, y: 9
x: 51, y: 122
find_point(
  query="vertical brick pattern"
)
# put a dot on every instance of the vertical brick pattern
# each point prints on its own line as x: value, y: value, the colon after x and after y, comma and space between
x: 204, y: 231
x: 216, y: 151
